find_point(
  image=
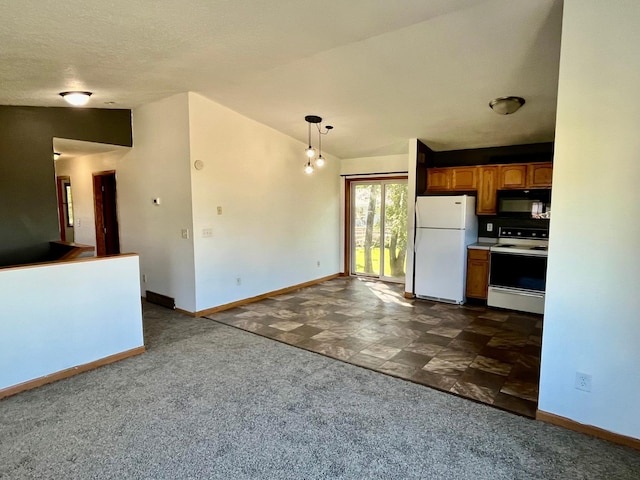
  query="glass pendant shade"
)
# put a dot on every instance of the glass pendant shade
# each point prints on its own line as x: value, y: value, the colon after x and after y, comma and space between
x: 308, y: 168
x: 310, y: 152
x: 320, y: 161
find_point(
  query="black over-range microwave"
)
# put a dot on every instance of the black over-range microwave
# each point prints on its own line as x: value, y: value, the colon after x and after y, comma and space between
x: 535, y: 203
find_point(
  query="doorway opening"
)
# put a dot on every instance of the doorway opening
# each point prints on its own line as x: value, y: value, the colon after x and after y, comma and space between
x: 376, y: 243
x: 106, y: 213
x: 65, y: 208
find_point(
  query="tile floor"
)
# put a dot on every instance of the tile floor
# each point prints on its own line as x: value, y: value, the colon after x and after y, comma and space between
x: 491, y: 356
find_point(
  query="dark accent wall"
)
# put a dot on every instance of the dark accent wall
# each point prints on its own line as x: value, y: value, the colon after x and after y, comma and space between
x: 533, y: 152
x: 28, y: 202
x: 424, y: 160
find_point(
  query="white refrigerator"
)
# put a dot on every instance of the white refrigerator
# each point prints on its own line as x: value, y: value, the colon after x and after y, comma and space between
x: 445, y: 225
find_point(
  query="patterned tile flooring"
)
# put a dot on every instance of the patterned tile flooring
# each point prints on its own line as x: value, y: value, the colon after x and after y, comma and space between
x: 491, y: 356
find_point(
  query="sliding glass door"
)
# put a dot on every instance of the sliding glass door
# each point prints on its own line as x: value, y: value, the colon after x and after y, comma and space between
x: 379, y: 228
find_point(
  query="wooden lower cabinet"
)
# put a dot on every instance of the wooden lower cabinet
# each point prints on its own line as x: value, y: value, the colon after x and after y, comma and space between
x: 477, y: 273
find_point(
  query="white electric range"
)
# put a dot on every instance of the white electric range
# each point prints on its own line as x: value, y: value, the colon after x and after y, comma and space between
x: 518, y: 269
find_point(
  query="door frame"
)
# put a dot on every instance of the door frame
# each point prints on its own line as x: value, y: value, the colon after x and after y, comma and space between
x: 98, y: 206
x: 347, y: 211
x: 62, y: 180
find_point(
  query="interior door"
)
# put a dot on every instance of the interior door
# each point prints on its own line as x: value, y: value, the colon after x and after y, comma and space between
x: 378, y: 233
x: 107, y: 232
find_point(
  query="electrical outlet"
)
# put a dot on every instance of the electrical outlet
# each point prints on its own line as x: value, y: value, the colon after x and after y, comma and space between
x: 583, y: 382
x: 489, y: 227
x: 238, y: 281
x: 219, y: 210
x: 185, y: 233
x: 144, y: 278
x: 207, y: 232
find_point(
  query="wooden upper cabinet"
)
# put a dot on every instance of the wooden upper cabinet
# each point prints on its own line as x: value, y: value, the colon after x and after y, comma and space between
x: 539, y: 175
x: 488, y: 179
x: 438, y: 179
x: 513, y: 176
x: 464, y: 178
x: 487, y: 186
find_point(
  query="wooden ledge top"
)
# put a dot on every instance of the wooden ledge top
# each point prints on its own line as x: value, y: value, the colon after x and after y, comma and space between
x: 84, y: 248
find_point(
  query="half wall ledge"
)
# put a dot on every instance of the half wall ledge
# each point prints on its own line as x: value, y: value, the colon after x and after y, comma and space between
x: 64, y: 318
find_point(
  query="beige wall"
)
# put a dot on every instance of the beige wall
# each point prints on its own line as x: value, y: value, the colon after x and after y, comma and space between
x: 591, y: 322
x: 279, y: 227
x: 80, y: 170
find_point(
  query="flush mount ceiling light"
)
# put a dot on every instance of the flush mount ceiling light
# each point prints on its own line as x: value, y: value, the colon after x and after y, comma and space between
x: 77, y: 99
x: 310, y: 151
x: 506, y: 105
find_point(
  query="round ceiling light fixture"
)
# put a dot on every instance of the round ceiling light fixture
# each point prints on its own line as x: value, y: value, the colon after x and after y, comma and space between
x: 77, y: 99
x: 506, y: 105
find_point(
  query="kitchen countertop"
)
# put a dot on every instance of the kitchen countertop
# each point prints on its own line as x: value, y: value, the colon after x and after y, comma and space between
x: 483, y: 244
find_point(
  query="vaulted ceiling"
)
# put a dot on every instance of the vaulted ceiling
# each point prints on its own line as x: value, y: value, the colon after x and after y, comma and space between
x: 379, y: 71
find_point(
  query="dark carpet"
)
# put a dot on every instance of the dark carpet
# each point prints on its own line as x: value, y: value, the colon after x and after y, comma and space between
x: 211, y: 401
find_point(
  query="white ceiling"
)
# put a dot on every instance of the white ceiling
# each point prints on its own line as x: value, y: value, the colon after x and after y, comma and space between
x: 380, y: 71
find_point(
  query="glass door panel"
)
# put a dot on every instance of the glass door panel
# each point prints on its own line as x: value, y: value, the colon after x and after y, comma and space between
x: 379, y: 228
x: 366, y: 229
x: 395, y: 230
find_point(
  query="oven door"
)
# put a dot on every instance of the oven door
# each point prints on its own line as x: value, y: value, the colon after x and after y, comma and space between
x: 523, y: 272
x: 517, y: 282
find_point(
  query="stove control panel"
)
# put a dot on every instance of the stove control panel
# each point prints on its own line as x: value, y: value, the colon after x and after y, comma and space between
x: 525, y: 233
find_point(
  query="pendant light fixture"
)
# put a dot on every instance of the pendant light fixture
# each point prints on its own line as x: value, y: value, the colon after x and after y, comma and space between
x: 310, y: 151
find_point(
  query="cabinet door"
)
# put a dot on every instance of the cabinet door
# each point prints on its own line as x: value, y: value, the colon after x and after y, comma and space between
x: 539, y: 175
x: 513, y: 176
x: 438, y: 179
x: 477, y: 273
x: 463, y: 178
x: 487, y: 185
